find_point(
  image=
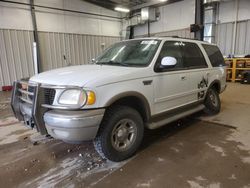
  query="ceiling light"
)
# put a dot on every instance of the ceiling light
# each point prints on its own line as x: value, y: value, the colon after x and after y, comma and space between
x: 120, y: 9
x: 163, y: 0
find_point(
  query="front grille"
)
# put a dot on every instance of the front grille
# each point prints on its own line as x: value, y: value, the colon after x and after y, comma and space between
x: 25, y: 92
x: 49, y: 95
x: 31, y: 89
x: 27, y: 95
x: 26, y: 102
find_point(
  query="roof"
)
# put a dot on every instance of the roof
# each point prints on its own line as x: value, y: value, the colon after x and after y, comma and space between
x: 173, y: 38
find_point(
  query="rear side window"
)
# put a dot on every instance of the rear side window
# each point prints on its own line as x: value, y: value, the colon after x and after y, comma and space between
x: 214, y: 55
x: 192, y: 55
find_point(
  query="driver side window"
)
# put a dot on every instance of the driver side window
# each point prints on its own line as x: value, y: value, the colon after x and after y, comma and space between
x: 171, y: 49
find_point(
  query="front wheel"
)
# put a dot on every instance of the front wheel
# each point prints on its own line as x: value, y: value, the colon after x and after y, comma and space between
x: 120, y: 134
x: 212, y: 102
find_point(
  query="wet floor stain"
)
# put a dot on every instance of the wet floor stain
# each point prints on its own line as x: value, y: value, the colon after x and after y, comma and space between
x: 205, y: 158
x: 189, y: 153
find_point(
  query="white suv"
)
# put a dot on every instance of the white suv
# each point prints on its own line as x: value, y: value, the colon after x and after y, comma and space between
x: 134, y: 84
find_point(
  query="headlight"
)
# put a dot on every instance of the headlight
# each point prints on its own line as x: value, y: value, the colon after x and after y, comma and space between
x: 74, y: 97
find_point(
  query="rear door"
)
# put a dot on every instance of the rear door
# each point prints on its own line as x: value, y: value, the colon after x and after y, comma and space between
x: 198, y: 71
x: 217, y: 61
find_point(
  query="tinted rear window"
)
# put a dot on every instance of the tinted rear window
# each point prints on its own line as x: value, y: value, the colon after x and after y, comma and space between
x: 214, y: 55
x: 192, y: 55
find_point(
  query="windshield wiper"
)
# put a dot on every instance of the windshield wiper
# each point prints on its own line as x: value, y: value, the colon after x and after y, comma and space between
x: 112, y: 63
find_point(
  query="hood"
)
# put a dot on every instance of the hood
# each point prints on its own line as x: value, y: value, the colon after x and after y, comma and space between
x: 83, y: 74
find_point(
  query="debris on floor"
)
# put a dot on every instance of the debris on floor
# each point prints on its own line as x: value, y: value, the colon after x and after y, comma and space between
x: 199, y: 151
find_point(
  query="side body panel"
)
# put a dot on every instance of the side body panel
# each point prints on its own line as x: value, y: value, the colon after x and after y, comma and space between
x: 167, y: 90
x: 171, y: 90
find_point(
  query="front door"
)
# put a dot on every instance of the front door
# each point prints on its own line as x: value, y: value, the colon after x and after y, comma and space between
x: 171, y: 84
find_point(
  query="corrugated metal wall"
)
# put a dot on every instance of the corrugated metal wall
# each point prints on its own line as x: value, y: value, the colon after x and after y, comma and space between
x: 62, y: 49
x: 185, y: 33
x: 16, y: 59
x: 243, y: 38
x: 15, y: 55
x: 224, y: 37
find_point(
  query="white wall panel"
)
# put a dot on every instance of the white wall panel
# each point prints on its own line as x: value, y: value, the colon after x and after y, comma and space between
x: 227, y: 11
x: 185, y: 33
x: 175, y: 16
x: 16, y: 60
x: 15, y: 55
x: 247, y: 40
x: 224, y: 37
x: 78, y: 49
x: 75, y: 36
x: 242, y: 38
x: 14, y: 16
x: 77, y: 23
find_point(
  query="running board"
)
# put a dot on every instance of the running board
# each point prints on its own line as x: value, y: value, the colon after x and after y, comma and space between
x: 169, y: 119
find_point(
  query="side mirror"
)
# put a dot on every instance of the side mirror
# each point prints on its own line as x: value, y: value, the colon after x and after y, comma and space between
x: 168, y: 61
x: 93, y: 61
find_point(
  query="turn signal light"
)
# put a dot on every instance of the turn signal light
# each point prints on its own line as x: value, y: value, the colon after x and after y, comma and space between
x: 91, y: 98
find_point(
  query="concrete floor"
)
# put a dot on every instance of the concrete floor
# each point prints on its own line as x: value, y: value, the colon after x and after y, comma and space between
x: 200, y: 151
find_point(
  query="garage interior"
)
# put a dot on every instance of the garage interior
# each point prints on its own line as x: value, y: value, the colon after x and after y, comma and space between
x: 196, y: 151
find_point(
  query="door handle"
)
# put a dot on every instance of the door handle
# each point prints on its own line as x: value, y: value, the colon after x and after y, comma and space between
x: 183, y: 77
x: 147, y: 82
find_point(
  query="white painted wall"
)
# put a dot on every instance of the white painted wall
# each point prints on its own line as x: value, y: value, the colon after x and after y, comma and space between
x: 180, y: 15
x: 15, y: 16
x: 174, y: 16
x: 19, y: 17
x: 227, y: 11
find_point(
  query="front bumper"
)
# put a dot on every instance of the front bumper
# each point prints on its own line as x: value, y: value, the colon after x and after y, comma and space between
x: 67, y: 125
x: 73, y: 126
x: 27, y: 105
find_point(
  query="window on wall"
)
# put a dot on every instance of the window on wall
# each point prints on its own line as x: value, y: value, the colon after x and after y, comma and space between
x: 192, y: 55
x: 214, y: 55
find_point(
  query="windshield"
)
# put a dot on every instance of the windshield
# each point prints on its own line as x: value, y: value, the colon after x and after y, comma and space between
x: 130, y: 53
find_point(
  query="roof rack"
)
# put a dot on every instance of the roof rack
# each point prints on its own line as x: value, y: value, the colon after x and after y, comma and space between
x: 175, y: 36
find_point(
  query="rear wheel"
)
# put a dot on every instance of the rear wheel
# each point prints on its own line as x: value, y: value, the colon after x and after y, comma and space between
x: 120, y: 133
x: 212, y: 102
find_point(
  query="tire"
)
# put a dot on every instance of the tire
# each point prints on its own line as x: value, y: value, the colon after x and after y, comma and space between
x: 212, y: 102
x: 120, y: 134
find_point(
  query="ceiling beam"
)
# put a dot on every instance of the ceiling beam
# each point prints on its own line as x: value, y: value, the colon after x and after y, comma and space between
x: 106, y: 4
x: 153, y: 3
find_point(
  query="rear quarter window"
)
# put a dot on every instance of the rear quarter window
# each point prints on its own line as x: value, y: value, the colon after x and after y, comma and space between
x: 192, y: 55
x: 214, y: 55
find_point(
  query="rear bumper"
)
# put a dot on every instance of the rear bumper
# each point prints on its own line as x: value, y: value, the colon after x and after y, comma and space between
x: 73, y: 126
x: 223, y: 88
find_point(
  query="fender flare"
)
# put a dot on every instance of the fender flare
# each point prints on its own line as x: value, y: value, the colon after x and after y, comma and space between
x: 138, y: 95
x: 213, y: 83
